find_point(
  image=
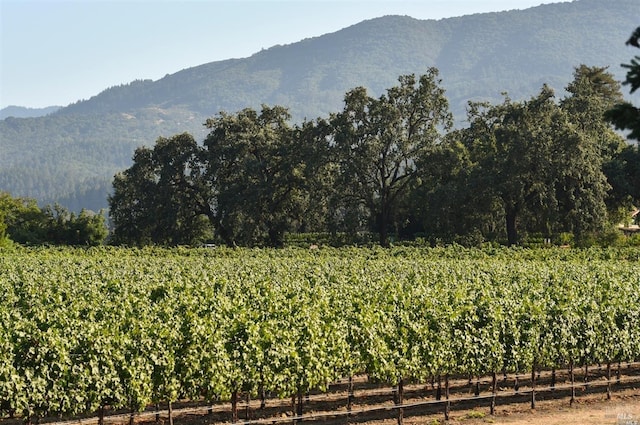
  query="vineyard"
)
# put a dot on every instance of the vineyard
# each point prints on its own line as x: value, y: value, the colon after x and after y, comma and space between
x: 84, y: 330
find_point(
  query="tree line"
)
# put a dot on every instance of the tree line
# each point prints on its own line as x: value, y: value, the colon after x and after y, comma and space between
x: 393, y: 166
x: 23, y: 221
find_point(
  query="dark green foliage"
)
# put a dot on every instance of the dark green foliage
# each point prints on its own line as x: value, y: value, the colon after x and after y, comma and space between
x: 256, y: 167
x: 250, y: 183
x: 319, y: 173
x: 66, y: 228
x: 536, y: 166
x: 161, y: 198
x: 379, y: 142
x: 591, y: 94
x: 624, y: 169
x: 22, y: 221
x: 382, y: 166
x: 624, y: 115
x: 623, y: 173
x: 445, y: 205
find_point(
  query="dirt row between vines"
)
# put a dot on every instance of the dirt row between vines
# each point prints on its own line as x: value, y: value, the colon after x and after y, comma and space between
x: 591, y: 409
x: 471, y: 400
x: 377, y: 404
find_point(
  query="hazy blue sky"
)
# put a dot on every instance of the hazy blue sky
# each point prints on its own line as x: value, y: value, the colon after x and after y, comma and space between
x: 56, y: 52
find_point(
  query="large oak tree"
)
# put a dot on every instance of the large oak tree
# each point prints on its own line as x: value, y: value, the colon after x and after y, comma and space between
x: 162, y: 198
x: 256, y: 170
x: 378, y: 142
x: 543, y: 160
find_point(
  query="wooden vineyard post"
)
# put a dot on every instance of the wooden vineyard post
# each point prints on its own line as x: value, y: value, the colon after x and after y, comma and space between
x: 586, y: 376
x: 573, y: 381
x: 293, y: 407
x: 101, y: 415
x: 608, y: 380
x: 350, y: 394
x: 447, y: 405
x: 618, y: 374
x: 247, y: 410
x: 553, y: 379
x: 399, y: 401
x: 157, y: 406
x: 533, y: 386
x: 477, y: 388
x: 262, y: 392
x: 439, y: 389
x: 494, y: 385
x: 170, y: 406
x: 132, y: 416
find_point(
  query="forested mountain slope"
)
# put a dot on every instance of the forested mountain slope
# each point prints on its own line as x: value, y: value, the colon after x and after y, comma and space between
x: 22, y: 112
x: 71, y: 155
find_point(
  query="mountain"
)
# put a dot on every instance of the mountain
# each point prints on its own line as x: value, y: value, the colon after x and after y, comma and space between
x: 70, y: 156
x: 22, y: 112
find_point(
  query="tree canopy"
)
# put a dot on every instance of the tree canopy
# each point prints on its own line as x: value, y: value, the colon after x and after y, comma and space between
x: 162, y: 197
x: 22, y: 221
x: 386, y: 166
x: 256, y: 170
x: 624, y: 115
x: 379, y: 142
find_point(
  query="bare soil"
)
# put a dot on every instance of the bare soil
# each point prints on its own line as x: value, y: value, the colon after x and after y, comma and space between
x: 592, y: 409
x: 622, y: 409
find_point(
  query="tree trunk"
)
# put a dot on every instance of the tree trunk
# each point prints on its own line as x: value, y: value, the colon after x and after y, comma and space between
x: 383, y: 229
x: 512, y: 233
x: 384, y: 222
x: 276, y: 239
x: 384, y: 237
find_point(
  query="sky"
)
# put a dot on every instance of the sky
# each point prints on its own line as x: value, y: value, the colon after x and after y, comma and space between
x: 55, y: 52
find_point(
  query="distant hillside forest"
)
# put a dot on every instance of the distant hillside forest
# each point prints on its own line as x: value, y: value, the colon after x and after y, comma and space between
x: 394, y: 167
x: 71, y: 156
x: 22, y: 112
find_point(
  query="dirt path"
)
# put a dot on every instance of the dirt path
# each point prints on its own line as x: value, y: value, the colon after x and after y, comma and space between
x: 623, y: 409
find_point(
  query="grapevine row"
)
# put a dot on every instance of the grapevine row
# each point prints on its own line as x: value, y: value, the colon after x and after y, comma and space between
x: 83, y: 329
